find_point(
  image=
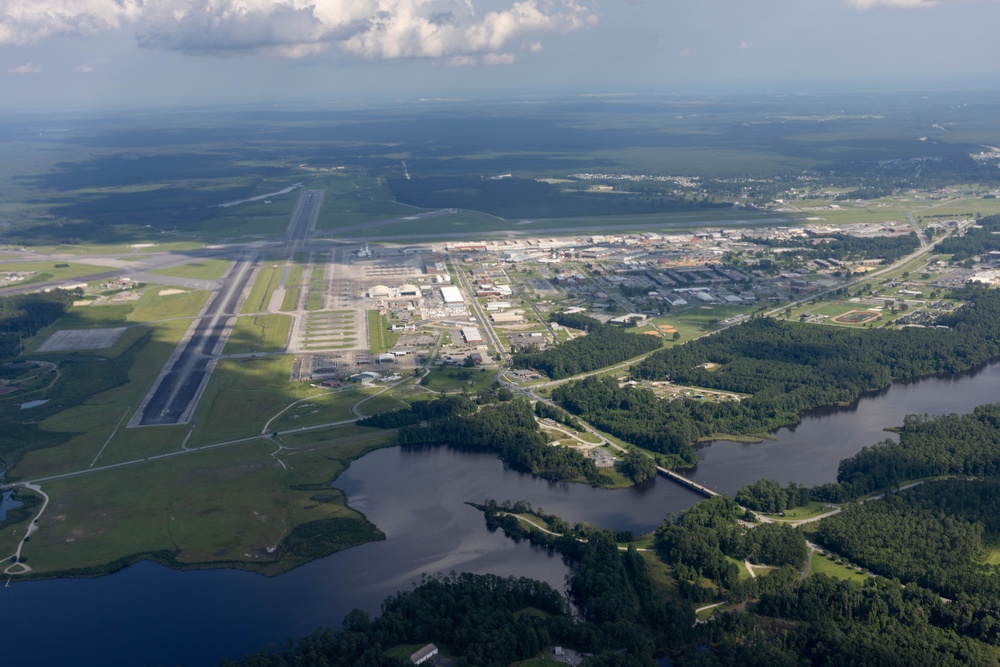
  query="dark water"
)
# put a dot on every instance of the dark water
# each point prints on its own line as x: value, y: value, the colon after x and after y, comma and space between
x: 7, y: 503
x: 809, y: 453
x: 148, y: 614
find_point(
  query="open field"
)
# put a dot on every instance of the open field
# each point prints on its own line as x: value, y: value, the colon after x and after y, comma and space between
x: 204, y: 269
x: 242, y: 395
x: 457, y: 380
x: 857, y: 317
x: 259, y: 333
x: 263, y: 287
x: 805, y: 512
x: 44, y: 271
x: 238, y: 508
x: 380, y: 339
x: 95, y: 390
x: 320, y: 407
x: 823, y: 565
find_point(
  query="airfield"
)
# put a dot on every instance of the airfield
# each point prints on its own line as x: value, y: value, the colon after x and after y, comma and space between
x: 229, y: 350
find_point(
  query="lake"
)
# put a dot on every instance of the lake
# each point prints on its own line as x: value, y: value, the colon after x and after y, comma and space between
x: 148, y: 614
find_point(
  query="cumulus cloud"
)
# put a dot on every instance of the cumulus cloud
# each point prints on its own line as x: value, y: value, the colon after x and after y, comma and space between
x: 27, y: 21
x: 26, y: 68
x: 370, y: 29
x: 495, y: 59
x: 869, y: 4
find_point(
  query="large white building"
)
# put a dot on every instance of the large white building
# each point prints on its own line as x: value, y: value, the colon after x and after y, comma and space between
x: 472, y: 335
x: 452, y: 295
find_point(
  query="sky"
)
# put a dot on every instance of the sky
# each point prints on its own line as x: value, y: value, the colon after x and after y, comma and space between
x: 70, y: 54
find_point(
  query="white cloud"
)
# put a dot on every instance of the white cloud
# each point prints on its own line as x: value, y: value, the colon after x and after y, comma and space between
x: 462, y: 61
x: 26, y: 68
x: 495, y: 59
x: 744, y: 45
x: 85, y: 68
x: 27, y: 21
x: 869, y: 4
x: 370, y: 29
x: 685, y: 53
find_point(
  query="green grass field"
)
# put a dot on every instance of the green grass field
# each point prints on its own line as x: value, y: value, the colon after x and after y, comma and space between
x: 259, y: 333
x: 806, y: 512
x: 380, y: 339
x: 823, y: 565
x: 242, y: 395
x: 260, y: 295
x: 381, y: 403
x: 314, y: 301
x: 456, y: 380
x: 88, y: 423
x: 290, y: 300
x: 294, y: 278
x: 204, y: 269
x: 321, y: 407
x: 46, y: 271
x: 237, y: 508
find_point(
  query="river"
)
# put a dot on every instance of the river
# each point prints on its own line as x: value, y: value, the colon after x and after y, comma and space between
x: 148, y: 614
x: 809, y: 452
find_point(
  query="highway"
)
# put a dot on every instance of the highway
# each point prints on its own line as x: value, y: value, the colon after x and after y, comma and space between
x: 174, y: 394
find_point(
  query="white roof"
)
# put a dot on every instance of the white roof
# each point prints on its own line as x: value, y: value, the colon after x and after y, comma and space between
x: 451, y: 294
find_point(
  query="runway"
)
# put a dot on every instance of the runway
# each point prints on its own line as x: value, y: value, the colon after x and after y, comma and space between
x: 176, y: 392
x: 174, y: 396
x: 304, y: 217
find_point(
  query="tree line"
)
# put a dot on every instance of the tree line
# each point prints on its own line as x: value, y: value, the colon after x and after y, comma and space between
x: 976, y: 241
x: 604, y: 345
x: 786, y: 368
x: 507, y: 427
x: 845, y: 247
x: 24, y: 315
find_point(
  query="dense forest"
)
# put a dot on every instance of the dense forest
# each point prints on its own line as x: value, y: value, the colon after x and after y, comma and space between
x: 786, y: 368
x: 482, y: 617
x: 766, y: 495
x: 704, y: 540
x: 936, y: 535
x: 23, y: 315
x: 604, y: 345
x: 976, y: 241
x: 627, y: 613
x: 927, y: 447
x: 507, y: 427
x: 514, y: 198
x: 844, y: 247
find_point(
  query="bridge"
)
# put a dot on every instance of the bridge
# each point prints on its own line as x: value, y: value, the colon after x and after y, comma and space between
x: 689, y: 483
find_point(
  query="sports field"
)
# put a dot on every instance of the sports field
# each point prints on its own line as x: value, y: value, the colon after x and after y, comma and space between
x: 856, y: 317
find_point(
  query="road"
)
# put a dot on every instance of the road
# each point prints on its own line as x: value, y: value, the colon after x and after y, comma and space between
x: 491, y: 336
x: 924, y: 249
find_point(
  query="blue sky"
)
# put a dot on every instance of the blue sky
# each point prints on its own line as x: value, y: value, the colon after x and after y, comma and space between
x: 87, y: 53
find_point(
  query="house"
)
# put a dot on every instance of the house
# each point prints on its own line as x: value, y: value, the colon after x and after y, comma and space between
x: 424, y: 654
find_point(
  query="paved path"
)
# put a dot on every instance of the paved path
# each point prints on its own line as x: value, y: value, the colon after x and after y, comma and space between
x: 19, y: 567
